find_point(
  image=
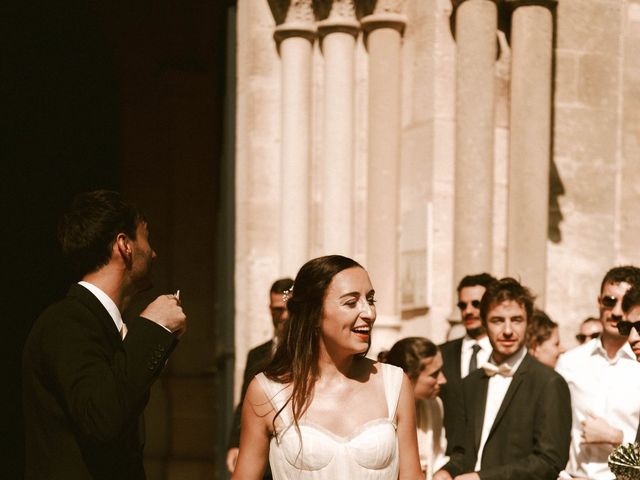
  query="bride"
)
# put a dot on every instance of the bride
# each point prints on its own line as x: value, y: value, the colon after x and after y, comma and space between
x: 321, y: 409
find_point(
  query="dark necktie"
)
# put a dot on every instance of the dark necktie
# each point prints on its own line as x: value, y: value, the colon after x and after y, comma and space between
x: 473, y: 362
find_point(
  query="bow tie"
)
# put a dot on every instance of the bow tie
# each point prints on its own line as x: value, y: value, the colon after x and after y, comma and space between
x: 503, y: 369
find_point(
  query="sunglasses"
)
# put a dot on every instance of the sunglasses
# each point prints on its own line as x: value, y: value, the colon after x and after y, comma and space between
x: 463, y: 305
x: 608, y: 301
x: 581, y: 337
x: 625, y: 327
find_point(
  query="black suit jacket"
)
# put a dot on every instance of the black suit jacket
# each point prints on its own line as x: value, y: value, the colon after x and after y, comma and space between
x: 257, y: 360
x: 530, y: 437
x: 451, y: 352
x: 85, y: 389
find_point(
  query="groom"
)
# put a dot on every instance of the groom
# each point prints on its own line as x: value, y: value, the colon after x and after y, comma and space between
x: 86, y: 374
x: 515, y: 412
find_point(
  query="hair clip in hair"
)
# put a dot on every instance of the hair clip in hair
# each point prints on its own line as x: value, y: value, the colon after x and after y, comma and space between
x: 286, y: 295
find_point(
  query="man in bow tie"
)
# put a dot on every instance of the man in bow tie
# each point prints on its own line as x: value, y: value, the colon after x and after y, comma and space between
x: 514, y: 413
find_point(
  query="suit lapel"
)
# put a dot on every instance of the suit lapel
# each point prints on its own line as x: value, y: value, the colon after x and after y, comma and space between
x: 481, y: 386
x: 456, y: 358
x: 518, y: 377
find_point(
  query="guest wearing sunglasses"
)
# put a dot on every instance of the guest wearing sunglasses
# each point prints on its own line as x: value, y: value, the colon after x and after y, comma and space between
x: 463, y: 355
x: 590, y: 328
x: 630, y: 326
x: 604, y: 379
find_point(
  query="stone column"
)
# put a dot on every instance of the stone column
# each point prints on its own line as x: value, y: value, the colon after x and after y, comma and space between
x: 383, y: 29
x: 531, y: 57
x: 476, y: 23
x: 295, y: 38
x: 338, y: 35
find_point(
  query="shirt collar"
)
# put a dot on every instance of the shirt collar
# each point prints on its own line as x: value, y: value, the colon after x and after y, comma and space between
x: 598, y: 349
x: 514, y: 360
x: 106, y: 302
x: 468, y: 342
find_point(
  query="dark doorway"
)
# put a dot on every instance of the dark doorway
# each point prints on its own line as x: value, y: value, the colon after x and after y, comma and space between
x: 130, y: 96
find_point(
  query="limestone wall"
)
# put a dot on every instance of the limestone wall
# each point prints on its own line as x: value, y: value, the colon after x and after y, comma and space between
x: 594, y: 179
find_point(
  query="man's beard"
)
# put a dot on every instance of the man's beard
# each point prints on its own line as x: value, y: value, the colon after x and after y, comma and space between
x: 476, y: 332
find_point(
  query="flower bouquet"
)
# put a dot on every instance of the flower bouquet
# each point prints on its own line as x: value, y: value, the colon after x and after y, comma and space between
x: 624, y: 462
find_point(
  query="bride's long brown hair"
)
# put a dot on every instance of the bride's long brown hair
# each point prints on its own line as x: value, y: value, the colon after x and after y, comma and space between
x: 295, y: 360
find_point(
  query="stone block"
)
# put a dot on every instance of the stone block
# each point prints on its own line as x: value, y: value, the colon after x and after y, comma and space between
x: 599, y: 81
x: 582, y: 195
x: 589, y: 25
x: 567, y: 75
x: 631, y: 96
x: 417, y: 164
x: 578, y: 130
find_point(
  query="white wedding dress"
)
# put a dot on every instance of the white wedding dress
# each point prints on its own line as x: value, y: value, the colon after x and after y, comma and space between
x: 369, y: 453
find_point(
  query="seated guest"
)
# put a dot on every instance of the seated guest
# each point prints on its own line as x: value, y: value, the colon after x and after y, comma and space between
x: 422, y: 362
x: 543, y: 339
x: 590, y: 328
x: 514, y: 412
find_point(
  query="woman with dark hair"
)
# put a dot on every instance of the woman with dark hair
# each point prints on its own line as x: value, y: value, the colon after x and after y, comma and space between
x: 421, y: 360
x: 543, y: 339
x: 321, y: 409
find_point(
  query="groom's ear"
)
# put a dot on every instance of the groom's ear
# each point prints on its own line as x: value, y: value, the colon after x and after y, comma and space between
x: 122, y: 248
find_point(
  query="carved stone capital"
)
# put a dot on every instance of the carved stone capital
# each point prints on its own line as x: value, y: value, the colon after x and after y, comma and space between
x: 295, y: 11
x: 396, y: 21
x: 389, y: 6
x: 341, y: 18
x: 513, y: 4
x: 294, y: 18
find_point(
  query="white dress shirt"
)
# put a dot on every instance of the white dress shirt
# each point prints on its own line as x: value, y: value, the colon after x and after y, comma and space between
x: 496, y: 390
x: 467, y: 351
x: 609, y: 388
x: 107, y: 303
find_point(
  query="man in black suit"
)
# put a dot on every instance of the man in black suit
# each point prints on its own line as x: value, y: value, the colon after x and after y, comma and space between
x: 515, y: 411
x: 463, y: 355
x: 257, y: 360
x: 86, y: 374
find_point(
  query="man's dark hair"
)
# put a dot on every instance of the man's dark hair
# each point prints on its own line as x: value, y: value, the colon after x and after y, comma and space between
x: 89, y: 228
x: 626, y: 273
x: 631, y: 299
x: 281, y: 285
x: 503, y: 290
x: 482, y: 279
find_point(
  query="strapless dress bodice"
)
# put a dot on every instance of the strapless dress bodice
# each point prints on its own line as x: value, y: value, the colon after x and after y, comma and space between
x: 315, y: 453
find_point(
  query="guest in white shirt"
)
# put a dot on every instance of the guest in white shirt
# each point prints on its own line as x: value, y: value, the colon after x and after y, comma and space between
x: 604, y: 378
x: 515, y: 412
x: 463, y: 355
x: 422, y: 362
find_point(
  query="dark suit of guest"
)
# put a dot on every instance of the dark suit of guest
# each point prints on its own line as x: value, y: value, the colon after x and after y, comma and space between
x: 257, y: 360
x: 530, y: 437
x: 451, y: 352
x: 85, y: 389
